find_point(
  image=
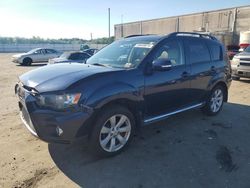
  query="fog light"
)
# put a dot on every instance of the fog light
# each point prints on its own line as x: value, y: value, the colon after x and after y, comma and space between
x: 59, y: 131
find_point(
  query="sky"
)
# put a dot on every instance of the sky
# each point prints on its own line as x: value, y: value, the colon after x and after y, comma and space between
x: 78, y: 18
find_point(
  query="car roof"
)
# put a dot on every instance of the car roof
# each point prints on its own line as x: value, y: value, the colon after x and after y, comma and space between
x: 143, y: 38
x: 73, y: 52
x: 151, y: 37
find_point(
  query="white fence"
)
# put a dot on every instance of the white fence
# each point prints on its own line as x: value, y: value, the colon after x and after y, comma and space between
x: 60, y: 47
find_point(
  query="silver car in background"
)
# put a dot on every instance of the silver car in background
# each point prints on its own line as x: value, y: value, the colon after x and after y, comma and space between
x: 241, y: 65
x: 35, y: 55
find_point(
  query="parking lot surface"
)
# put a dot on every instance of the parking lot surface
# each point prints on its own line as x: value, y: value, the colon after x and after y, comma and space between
x: 186, y: 150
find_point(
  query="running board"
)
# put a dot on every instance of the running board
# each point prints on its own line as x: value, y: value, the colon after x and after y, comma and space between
x: 163, y: 116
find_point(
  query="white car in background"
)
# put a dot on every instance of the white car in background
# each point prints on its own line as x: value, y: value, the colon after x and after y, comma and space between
x: 35, y: 55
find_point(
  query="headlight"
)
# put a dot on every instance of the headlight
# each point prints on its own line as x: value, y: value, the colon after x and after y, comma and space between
x: 58, y: 102
x: 235, y: 61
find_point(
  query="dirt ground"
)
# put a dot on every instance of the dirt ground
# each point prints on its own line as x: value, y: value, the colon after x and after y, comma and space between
x: 186, y: 150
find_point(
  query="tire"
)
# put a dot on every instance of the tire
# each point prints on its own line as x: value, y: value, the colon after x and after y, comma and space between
x: 27, y: 61
x: 112, y: 131
x: 215, y: 101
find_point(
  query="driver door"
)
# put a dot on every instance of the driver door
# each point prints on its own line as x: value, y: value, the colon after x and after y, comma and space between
x: 167, y: 91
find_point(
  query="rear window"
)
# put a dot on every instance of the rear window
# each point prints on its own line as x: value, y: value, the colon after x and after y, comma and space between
x: 198, y: 51
x: 216, y: 52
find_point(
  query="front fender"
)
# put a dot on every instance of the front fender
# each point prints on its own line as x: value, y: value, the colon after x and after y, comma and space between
x: 108, y: 93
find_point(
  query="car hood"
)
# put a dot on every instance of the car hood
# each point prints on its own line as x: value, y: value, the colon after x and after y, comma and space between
x: 60, y: 76
x: 19, y: 55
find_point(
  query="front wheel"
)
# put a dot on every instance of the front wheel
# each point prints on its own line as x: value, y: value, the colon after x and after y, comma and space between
x: 112, y: 132
x: 215, y: 101
x: 27, y: 61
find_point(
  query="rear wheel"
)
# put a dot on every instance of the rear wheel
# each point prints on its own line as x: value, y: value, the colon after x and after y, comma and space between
x: 215, y: 101
x: 112, y: 132
x: 27, y: 61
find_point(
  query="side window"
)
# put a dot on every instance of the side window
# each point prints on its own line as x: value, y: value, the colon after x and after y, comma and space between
x: 216, y: 52
x: 42, y: 51
x: 38, y: 52
x: 74, y: 56
x: 170, y: 50
x: 50, y: 51
x: 83, y: 56
x: 198, y: 51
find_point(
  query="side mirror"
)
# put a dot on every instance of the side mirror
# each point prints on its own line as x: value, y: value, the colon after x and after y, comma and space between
x: 162, y: 64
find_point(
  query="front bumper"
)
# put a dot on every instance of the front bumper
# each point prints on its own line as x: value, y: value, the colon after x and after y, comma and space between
x: 52, y: 126
x: 15, y: 60
x: 241, y: 71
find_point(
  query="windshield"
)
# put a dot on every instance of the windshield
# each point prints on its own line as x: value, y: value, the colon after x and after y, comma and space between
x: 122, y: 54
x: 247, y: 49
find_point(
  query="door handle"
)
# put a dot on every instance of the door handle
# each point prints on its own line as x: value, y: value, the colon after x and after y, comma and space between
x: 185, y: 74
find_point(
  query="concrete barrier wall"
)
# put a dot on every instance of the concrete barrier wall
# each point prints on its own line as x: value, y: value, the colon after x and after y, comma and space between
x: 232, y: 20
x: 60, y: 47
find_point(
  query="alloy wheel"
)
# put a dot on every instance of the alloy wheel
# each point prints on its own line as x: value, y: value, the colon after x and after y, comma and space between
x: 115, y: 133
x: 216, y: 100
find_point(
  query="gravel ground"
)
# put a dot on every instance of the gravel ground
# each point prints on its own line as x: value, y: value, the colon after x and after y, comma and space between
x: 186, y: 150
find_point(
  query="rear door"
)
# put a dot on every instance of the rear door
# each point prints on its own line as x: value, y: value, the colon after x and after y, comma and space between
x: 201, y: 68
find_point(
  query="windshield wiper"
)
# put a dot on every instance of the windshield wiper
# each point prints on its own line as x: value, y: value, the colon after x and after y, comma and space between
x: 99, y: 64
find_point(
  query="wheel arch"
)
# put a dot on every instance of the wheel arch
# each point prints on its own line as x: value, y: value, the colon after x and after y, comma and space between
x: 224, y: 86
x: 131, y: 105
x: 28, y: 57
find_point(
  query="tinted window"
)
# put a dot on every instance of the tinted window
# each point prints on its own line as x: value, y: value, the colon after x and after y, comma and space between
x: 170, y: 50
x: 83, y: 56
x: 74, y: 56
x: 43, y: 51
x: 216, y: 52
x: 50, y: 51
x: 198, y: 51
x: 38, y: 52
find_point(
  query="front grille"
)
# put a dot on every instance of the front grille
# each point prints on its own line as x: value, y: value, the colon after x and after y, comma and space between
x: 20, y: 92
x: 27, y: 121
x: 245, y: 64
x: 244, y: 59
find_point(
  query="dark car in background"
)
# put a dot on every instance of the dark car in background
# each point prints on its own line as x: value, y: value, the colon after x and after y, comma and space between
x: 232, y: 50
x: 91, y: 51
x: 130, y: 83
x: 73, y: 57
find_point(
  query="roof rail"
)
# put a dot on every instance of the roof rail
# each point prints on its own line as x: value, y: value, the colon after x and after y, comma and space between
x: 201, y: 35
x: 129, y: 36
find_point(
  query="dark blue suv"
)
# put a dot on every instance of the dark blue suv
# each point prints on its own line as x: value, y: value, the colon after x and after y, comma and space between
x: 130, y: 83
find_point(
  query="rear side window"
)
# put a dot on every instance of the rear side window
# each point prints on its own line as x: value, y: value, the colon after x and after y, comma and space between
x: 74, y: 56
x: 83, y: 56
x: 198, y: 51
x: 216, y: 52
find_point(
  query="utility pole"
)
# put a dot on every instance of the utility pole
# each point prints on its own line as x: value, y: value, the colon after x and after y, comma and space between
x: 109, y: 20
x: 91, y: 36
x: 122, y: 25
